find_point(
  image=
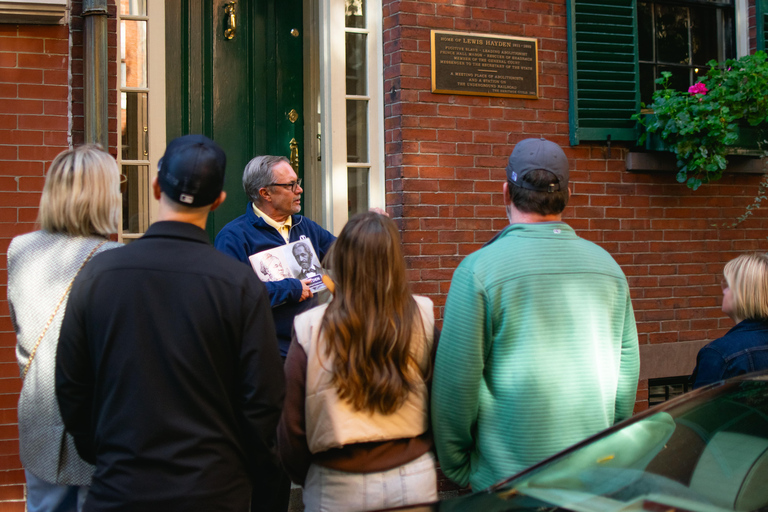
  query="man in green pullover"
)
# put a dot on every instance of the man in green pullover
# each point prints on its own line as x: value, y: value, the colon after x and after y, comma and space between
x: 539, y: 345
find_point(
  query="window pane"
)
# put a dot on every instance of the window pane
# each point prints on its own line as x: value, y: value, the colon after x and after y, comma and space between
x: 357, y: 131
x: 357, y: 195
x: 647, y: 82
x: 672, y: 34
x: 645, y: 31
x: 133, y: 7
x: 681, y: 77
x: 699, y: 73
x: 133, y: 53
x: 135, y: 198
x: 135, y: 137
x: 357, y: 67
x: 685, y: 37
x: 663, y: 390
x: 355, y: 14
x: 703, y: 45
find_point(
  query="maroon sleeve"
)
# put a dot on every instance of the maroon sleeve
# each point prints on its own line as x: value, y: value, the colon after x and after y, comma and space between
x: 291, y: 431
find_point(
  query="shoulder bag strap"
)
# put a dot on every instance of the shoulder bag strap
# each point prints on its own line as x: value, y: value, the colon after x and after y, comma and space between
x: 56, y: 310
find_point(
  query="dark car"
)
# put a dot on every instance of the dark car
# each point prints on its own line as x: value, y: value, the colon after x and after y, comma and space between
x: 706, y: 451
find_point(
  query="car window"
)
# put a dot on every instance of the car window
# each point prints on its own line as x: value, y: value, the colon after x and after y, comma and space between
x: 705, y: 453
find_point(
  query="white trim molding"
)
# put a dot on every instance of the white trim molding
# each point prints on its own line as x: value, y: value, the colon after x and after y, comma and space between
x: 42, y: 12
x: 156, y: 81
x: 333, y: 97
x: 742, y: 28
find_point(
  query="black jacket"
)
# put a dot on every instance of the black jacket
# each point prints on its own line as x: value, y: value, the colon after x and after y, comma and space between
x: 168, y: 375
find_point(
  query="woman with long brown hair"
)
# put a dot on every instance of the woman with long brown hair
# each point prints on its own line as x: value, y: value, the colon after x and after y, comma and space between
x: 355, y: 426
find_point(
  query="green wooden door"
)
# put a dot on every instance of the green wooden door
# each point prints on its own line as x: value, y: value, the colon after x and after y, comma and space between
x: 237, y: 91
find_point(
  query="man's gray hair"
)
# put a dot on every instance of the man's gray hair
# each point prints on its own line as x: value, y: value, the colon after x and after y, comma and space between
x: 258, y: 174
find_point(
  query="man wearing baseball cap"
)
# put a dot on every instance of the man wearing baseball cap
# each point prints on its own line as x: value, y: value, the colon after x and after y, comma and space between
x: 168, y: 373
x: 539, y: 346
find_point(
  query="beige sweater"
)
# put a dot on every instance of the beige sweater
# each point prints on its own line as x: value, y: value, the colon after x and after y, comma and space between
x: 333, y: 423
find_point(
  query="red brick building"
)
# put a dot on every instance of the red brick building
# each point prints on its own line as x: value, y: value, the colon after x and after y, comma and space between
x: 369, y: 131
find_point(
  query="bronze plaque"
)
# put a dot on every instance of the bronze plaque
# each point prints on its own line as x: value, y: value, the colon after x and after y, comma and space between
x: 483, y: 65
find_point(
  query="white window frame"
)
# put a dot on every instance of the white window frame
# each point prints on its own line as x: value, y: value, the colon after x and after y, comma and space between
x: 333, y: 147
x: 155, y: 105
x: 741, y: 12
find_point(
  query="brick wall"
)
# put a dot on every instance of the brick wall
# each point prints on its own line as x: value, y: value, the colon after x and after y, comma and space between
x: 41, y: 114
x: 446, y: 156
x: 34, y: 127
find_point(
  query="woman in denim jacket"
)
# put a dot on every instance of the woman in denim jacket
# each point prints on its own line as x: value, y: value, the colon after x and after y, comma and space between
x: 744, y: 348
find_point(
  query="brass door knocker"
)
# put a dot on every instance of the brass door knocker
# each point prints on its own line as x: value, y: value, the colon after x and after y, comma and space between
x: 231, y: 21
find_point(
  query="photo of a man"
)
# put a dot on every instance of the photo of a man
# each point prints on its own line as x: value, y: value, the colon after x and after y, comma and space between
x: 295, y: 260
x: 303, y: 256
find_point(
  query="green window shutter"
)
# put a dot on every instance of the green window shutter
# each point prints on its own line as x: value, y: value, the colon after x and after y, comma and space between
x: 762, y: 24
x: 603, y: 70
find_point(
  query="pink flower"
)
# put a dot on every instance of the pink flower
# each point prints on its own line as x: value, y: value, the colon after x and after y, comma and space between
x: 698, y: 88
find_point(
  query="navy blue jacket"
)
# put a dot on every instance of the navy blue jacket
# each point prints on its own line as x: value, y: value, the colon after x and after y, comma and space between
x: 249, y: 234
x: 743, y: 349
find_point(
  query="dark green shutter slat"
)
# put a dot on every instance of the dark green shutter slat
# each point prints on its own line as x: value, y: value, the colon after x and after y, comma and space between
x: 603, y: 69
x: 762, y: 24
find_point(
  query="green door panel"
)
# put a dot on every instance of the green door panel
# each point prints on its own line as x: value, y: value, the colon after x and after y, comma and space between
x: 237, y: 91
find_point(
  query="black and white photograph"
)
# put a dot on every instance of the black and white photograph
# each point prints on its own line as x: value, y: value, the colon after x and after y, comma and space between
x: 295, y: 260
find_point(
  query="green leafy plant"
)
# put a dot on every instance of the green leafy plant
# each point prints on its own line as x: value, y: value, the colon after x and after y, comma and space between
x: 700, y: 125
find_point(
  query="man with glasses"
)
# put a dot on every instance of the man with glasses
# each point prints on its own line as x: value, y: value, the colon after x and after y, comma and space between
x: 271, y: 220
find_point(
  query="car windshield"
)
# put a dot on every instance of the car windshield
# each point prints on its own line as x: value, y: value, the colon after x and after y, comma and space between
x: 704, y: 453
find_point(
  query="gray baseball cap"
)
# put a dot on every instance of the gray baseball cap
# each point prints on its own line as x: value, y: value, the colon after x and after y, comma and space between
x: 533, y: 154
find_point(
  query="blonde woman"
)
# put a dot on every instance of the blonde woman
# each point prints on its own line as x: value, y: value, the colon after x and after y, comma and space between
x: 744, y: 348
x: 354, y: 431
x: 79, y: 209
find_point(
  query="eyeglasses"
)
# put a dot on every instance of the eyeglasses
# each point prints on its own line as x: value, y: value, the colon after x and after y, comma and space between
x: 293, y: 185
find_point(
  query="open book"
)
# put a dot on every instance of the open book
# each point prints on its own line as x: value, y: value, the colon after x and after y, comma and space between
x: 297, y: 260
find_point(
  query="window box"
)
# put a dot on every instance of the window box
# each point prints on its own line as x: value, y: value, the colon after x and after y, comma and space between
x: 747, y: 143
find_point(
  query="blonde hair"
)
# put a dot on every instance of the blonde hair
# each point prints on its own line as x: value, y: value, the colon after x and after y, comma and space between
x: 370, y: 324
x: 81, y: 195
x: 747, y: 277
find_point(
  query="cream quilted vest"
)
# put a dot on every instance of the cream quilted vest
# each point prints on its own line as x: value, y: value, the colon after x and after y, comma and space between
x: 333, y: 423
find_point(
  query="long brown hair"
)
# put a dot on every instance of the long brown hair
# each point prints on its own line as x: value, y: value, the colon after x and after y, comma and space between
x: 370, y: 323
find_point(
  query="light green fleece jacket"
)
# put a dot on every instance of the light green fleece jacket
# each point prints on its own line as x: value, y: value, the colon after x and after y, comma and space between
x: 538, y: 351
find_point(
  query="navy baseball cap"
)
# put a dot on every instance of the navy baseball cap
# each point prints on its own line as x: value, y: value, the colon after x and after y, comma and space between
x: 534, y: 154
x: 191, y: 172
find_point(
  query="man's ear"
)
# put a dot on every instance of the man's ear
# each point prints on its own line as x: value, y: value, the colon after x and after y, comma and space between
x: 505, y: 191
x: 156, y: 190
x: 219, y: 200
x: 264, y: 194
